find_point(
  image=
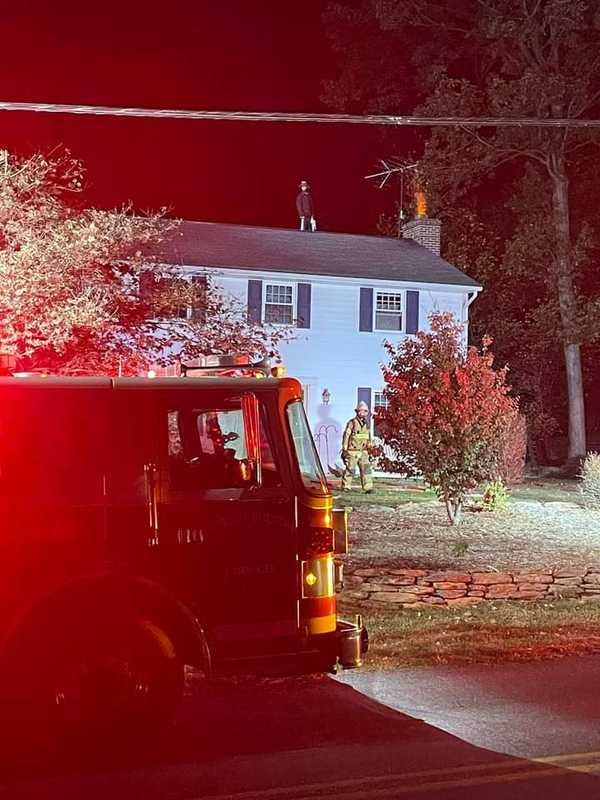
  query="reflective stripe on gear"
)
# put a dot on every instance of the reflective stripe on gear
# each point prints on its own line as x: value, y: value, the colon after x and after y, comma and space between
x: 360, y: 459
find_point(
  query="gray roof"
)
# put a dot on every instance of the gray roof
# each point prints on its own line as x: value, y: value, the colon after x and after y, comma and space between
x: 210, y: 244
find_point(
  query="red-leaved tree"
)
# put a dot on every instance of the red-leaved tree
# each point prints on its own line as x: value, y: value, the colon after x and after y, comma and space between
x: 447, y: 407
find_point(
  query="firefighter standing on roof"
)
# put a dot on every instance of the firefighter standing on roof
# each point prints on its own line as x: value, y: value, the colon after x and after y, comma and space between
x: 355, y: 449
x: 305, y: 208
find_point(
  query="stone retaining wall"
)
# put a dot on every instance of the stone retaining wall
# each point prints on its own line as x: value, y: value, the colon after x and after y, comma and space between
x: 414, y: 587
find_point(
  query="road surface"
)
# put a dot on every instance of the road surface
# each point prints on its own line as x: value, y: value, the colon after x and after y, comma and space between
x: 317, y: 737
x: 529, y: 710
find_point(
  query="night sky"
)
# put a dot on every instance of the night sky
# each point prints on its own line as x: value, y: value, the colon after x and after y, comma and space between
x: 204, y: 55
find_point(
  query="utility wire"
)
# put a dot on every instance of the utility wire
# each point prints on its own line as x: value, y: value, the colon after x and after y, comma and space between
x: 271, y: 116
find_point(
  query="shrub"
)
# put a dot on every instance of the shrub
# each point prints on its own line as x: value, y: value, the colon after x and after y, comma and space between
x: 513, y: 448
x: 590, y: 480
x: 446, y: 411
x: 460, y: 547
x: 495, y: 497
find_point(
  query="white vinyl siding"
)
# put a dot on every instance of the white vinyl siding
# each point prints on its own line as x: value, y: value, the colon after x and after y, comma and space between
x: 333, y: 353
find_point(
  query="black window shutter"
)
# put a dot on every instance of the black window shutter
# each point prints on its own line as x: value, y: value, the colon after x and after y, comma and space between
x: 303, y: 310
x: 364, y: 396
x: 412, y: 312
x: 254, y: 301
x: 366, y: 310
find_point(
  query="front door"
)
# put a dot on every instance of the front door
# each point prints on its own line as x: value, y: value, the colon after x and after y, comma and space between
x: 228, y: 545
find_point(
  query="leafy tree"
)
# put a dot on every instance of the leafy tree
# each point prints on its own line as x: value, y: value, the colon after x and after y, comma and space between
x: 507, y: 253
x: 498, y: 58
x: 518, y: 308
x: 446, y: 412
x: 83, y: 290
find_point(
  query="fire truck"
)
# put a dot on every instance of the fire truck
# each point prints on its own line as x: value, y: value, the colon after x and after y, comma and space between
x: 153, y: 523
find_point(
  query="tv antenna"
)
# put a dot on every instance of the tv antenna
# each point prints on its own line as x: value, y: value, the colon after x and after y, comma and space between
x: 389, y: 168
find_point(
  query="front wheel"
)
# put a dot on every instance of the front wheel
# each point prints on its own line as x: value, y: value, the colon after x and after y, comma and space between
x: 111, y: 683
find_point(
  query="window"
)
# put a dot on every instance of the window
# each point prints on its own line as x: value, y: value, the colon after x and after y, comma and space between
x: 388, y: 311
x: 199, y: 298
x: 380, y: 403
x: 207, y: 450
x: 279, y: 304
x: 173, y: 297
x: 310, y: 467
x: 161, y: 293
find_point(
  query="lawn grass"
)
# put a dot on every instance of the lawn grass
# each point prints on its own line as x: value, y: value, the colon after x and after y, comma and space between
x: 393, y: 493
x: 547, y: 490
x: 486, y: 633
x: 492, y: 631
x: 382, y: 497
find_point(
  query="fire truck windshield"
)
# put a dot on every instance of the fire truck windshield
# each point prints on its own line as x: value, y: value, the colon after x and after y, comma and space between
x: 311, y: 470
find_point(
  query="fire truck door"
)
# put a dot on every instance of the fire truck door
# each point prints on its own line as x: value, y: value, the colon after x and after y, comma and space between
x: 228, y: 543
x: 132, y: 534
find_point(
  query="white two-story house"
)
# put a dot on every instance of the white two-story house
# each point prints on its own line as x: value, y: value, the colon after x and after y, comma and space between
x: 345, y: 295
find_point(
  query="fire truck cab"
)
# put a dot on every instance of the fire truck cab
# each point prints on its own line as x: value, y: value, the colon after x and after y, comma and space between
x: 152, y: 523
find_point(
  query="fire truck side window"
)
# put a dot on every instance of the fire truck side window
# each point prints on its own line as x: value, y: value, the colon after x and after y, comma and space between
x: 207, y: 450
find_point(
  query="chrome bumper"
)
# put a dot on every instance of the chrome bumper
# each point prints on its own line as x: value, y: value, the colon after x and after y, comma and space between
x: 353, y: 642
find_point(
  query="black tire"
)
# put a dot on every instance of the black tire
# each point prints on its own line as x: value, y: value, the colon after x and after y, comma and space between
x: 111, y: 684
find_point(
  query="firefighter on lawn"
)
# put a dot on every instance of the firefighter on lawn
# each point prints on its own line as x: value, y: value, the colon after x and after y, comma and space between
x: 355, y: 449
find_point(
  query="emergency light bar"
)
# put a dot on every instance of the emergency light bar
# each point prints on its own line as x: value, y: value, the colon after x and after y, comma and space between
x: 232, y: 366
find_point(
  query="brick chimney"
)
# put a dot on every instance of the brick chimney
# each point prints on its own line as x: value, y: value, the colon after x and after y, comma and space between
x: 422, y: 229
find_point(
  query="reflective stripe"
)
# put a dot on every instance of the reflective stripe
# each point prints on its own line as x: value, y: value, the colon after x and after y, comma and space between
x: 317, y: 607
x: 322, y: 624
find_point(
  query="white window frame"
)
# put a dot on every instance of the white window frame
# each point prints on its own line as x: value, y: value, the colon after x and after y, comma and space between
x: 385, y: 404
x: 402, y: 293
x: 292, y: 304
x: 187, y: 312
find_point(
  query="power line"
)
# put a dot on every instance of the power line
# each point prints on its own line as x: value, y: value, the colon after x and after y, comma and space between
x: 271, y: 116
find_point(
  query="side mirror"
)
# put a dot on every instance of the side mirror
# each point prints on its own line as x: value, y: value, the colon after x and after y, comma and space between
x: 251, y: 412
